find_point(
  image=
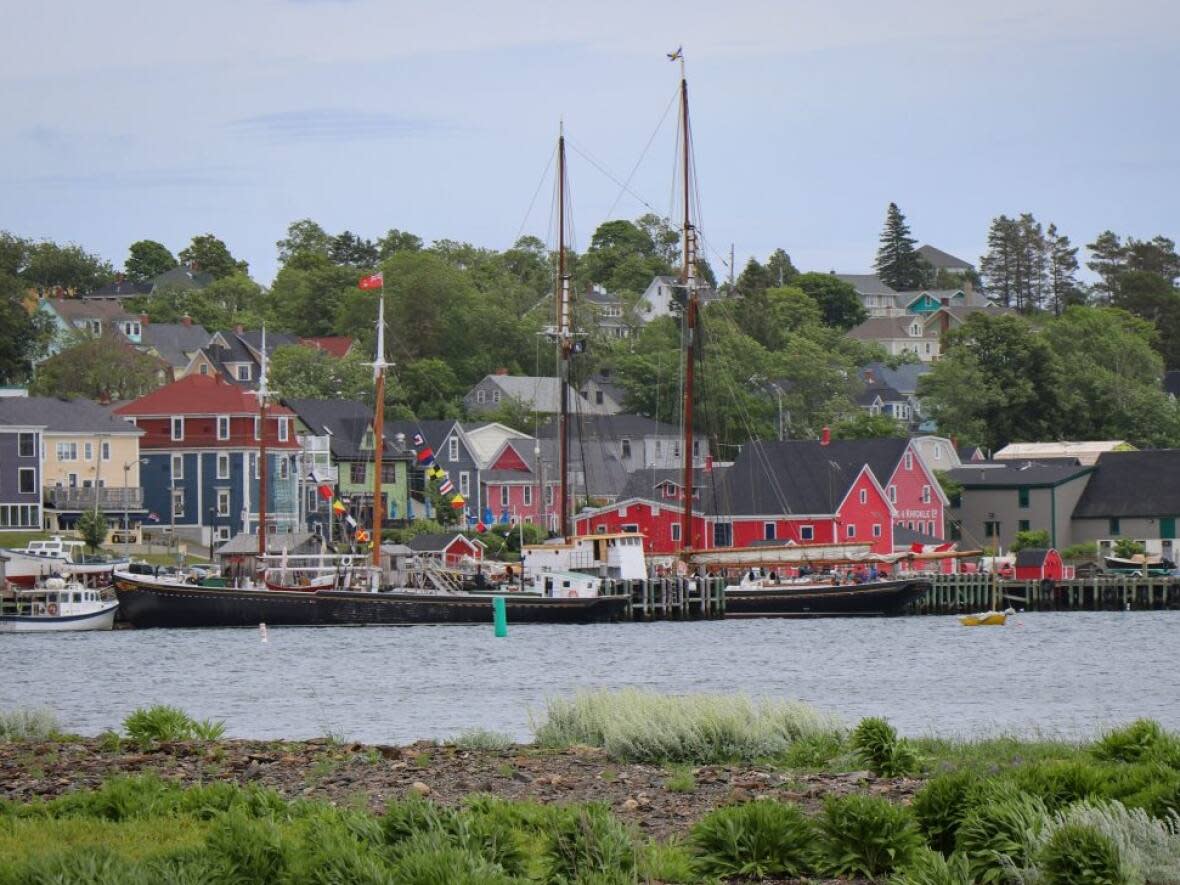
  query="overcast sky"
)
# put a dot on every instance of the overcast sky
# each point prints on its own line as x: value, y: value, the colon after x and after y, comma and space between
x: 126, y: 120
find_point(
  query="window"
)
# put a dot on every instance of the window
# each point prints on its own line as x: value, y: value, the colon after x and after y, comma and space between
x: 257, y: 427
x: 223, y: 502
x: 67, y: 451
x: 284, y: 468
x: 909, y: 460
x: 104, y: 448
x: 28, y: 481
x: 876, y: 529
x: 893, y: 494
x: 722, y: 534
x: 630, y: 527
x: 864, y: 496
x: 222, y: 465
x: 1114, y: 525
x: 178, y: 428
x: 938, y: 451
x: 768, y: 531
x: 1022, y: 525
x: 549, y: 496
x: 27, y: 445
x: 598, y: 397
x: 356, y: 472
x: 659, y: 448
x: 956, y: 532
x: 177, y: 467
x: 20, y: 516
x: 626, y: 444
x: 504, y: 496
x: 991, y: 529
x: 223, y: 426
x: 696, y: 448
x: 481, y: 396
x: 925, y: 494
x: 284, y: 430
x: 223, y: 533
x: 178, y: 503
x: 388, y: 472
x: 496, y: 396
x: 464, y: 484
x: 806, y: 533
x: 675, y: 531
x: 243, y: 373
x: 87, y: 451
x: 850, y: 531
x: 528, y: 496
x: 1023, y: 498
x: 204, y: 368
x: 676, y: 450
x: 453, y: 449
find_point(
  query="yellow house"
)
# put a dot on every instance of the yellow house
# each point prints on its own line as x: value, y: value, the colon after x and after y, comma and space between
x: 89, y: 456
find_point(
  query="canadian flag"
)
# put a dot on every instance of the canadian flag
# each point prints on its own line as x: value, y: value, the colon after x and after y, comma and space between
x: 372, y: 281
x: 932, y: 548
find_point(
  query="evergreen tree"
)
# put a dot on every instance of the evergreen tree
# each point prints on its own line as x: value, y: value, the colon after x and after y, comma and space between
x: 1062, y: 270
x: 780, y: 269
x: 999, y: 267
x: 1032, y: 265
x: 898, y: 263
x: 1109, y: 260
x: 753, y: 280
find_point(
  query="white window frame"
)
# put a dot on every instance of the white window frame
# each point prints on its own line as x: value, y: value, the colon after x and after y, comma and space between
x: 284, y: 468
x: 893, y: 494
x: 177, y: 424
x: 453, y: 449
x: 527, y: 496
x: 625, y: 447
x: 223, y: 498
x: 223, y: 465
x: 876, y: 529
x: 87, y: 451
x: 505, y: 496
x: 481, y: 396
x: 496, y: 396
x: 548, y: 496
x: 850, y: 531
x: 676, y: 531
x: 864, y: 496
x: 223, y: 426
x: 32, y: 472
x: 257, y: 428
x: 284, y: 430
x: 242, y: 372
x: 909, y: 460
x: 104, y: 450
x: 223, y: 533
x: 21, y: 438
x: 178, y: 503
x: 177, y: 460
x: 67, y: 451
x: 925, y: 494
x: 806, y: 533
x: 464, y: 483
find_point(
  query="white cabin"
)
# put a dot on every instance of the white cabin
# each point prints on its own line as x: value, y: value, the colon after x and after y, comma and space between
x: 616, y: 555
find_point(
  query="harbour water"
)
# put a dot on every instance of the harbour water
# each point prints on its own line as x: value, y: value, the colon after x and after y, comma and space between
x: 1057, y: 674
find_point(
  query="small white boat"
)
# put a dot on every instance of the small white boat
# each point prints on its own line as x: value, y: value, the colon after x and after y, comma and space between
x: 60, y: 556
x: 55, y: 605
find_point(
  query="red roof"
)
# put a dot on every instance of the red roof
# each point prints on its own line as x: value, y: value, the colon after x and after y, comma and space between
x: 198, y: 395
x: 333, y: 345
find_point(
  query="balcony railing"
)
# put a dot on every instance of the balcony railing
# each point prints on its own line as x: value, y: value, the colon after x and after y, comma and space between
x: 61, y: 498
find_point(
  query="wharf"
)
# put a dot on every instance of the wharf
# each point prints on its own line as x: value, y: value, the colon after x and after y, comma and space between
x: 671, y: 599
x: 955, y: 594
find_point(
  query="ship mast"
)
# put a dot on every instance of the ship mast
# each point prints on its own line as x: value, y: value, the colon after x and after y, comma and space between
x: 691, y: 307
x: 262, y: 393
x: 379, y: 365
x: 564, y: 340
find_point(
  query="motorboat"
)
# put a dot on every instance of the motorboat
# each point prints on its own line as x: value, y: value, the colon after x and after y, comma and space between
x: 59, y: 556
x: 56, y: 605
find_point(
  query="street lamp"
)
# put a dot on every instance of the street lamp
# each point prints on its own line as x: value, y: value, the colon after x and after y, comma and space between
x: 127, y: 465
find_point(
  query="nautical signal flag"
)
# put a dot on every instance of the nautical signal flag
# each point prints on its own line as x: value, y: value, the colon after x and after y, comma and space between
x: 372, y: 281
x: 418, y: 440
x: 325, y: 492
x: 351, y: 520
x: 338, y: 506
x: 362, y: 536
x: 425, y: 455
x: 458, y: 501
x: 480, y: 527
x: 437, y: 472
x: 446, y: 488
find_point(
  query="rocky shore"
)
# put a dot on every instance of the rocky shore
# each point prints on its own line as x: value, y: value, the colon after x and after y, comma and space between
x: 662, y: 801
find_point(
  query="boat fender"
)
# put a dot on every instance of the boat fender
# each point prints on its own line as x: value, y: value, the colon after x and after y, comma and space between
x: 572, y: 594
x: 53, y: 608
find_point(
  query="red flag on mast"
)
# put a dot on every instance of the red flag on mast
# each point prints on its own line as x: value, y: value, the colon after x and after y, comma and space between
x: 372, y: 281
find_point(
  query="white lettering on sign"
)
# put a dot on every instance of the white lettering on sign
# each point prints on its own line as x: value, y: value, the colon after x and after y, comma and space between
x: 917, y: 514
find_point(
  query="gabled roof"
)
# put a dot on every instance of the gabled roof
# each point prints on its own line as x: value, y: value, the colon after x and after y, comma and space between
x: 643, y: 483
x: 603, y: 474
x: 434, y: 431
x: 869, y: 395
x: 903, y: 379
x: 252, y: 338
x: 904, y: 537
x: 1018, y: 474
x: 182, y: 278
x: 70, y: 309
x: 197, y: 395
x: 880, y: 328
x: 599, y: 295
x: 244, y: 545
x: 538, y: 393
x: 1127, y: 484
x: 333, y: 345
x: 940, y: 260
x: 345, y: 422
x: 123, y: 288
x: 612, y: 427
x: 63, y: 415
x: 436, y: 542
x: 865, y: 283
x: 174, y: 342
x: 1031, y: 557
x: 1086, y: 452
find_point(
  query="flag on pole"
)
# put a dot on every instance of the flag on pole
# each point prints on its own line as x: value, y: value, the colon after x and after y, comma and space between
x: 153, y: 517
x: 425, y: 455
x: 351, y: 520
x: 488, y: 516
x: 677, y: 54
x: 418, y: 440
x: 372, y: 281
x: 446, y: 488
x: 458, y: 501
x: 338, y: 506
x: 504, y: 517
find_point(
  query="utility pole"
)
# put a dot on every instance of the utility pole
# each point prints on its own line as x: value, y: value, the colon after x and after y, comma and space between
x: 731, y: 267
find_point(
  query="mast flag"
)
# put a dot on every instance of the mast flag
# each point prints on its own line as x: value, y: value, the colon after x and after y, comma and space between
x: 372, y: 281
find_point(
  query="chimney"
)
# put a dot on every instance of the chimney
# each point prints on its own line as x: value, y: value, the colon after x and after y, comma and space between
x: 944, y: 317
x: 186, y: 320
x: 501, y: 371
x: 826, y: 437
x: 239, y: 328
x: 144, y: 319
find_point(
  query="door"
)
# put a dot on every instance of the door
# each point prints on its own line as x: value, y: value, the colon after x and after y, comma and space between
x: 1168, y: 527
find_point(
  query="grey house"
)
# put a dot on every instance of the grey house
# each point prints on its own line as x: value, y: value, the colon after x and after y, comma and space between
x: 1001, y: 498
x: 20, y: 473
x: 537, y: 394
x: 637, y: 442
x: 1132, y: 495
x: 454, y: 453
x: 601, y: 391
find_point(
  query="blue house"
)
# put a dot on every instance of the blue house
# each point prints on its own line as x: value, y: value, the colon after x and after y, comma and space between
x: 20, y: 470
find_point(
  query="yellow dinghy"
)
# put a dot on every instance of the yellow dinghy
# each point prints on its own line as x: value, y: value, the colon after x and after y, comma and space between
x: 986, y: 619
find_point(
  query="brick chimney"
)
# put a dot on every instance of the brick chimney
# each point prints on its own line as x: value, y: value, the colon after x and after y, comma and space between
x: 144, y: 319
x: 944, y: 319
x: 501, y: 371
x: 186, y: 320
x: 239, y: 328
x: 826, y: 437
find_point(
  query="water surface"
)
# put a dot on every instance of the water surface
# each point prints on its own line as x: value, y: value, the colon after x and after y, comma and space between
x: 1062, y: 674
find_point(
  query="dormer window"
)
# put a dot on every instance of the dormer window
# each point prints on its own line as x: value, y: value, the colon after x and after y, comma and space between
x: 243, y: 373
x: 916, y: 329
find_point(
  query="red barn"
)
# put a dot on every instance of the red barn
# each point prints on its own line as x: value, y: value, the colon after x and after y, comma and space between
x: 450, y: 548
x: 1039, y: 564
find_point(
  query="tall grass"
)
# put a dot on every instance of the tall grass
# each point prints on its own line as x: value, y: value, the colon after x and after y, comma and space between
x: 643, y: 726
x: 28, y: 725
x: 147, y: 725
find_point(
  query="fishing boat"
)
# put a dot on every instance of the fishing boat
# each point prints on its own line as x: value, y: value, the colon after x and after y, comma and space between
x: 55, y: 605
x: 1138, y: 564
x: 61, y: 556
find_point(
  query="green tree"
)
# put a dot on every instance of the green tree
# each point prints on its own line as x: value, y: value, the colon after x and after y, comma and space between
x: 862, y: 425
x: 1062, y: 260
x: 299, y: 372
x: 1108, y: 260
x: 1030, y: 539
x: 1149, y: 295
x: 397, y: 241
x: 623, y: 256
x: 840, y: 305
x: 104, y: 368
x: 431, y: 388
x: 50, y: 267
x: 309, y: 295
x: 209, y: 254
x: 148, y: 259
x: 1126, y: 548
x: 352, y: 251
x: 304, y: 237
x: 25, y: 335
x: 14, y: 254
x: 999, y: 267
x: 780, y: 269
x: 753, y: 280
x: 92, y: 526
x: 898, y: 263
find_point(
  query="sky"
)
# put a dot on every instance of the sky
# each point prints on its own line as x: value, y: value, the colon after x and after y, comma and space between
x: 128, y: 120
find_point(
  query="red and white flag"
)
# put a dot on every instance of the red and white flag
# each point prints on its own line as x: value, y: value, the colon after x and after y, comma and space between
x: 372, y: 281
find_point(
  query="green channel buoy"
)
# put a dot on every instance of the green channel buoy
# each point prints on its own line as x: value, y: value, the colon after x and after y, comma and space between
x: 500, y: 615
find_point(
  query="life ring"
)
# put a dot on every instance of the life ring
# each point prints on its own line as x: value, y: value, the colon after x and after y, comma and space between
x: 53, y: 608
x: 572, y: 594
x: 346, y: 560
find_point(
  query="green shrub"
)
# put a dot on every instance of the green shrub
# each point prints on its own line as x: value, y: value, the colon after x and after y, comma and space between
x: 928, y: 867
x: 1129, y: 744
x: 1160, y: 799
x: 866, y: 836
x: 815, y: 751
x: 1061, y: 782
x: 246, y: 850
x: 1149, y: 849
x: 413, y: 815
x: 28, y: 725
x: 999, y: 829
x: 878, y: 746
x: 161, y: 723
x: 645, y: 727
x: 680, y: 780
x: 482, y: 739
x: 120, y: 798
x: 1080, y: 855
x: 430, y: 858
x: 587, y: 840
x: 756, y: 840
x: 669, y: 862
x: 82, y: 865
x: 330, y: 853
x: 493, y: 837
x: 940, y: 806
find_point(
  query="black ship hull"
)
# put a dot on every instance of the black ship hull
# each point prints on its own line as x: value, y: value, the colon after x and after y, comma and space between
x: 878, y: 599
x: 148, y: 603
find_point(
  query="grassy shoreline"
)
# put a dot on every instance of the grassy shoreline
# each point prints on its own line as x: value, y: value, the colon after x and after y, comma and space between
x: 618, y: 788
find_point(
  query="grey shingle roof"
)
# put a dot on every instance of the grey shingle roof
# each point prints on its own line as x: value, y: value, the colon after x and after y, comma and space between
x: 63, y: 416
x: 903, y: 379
x: 1017, y: 474
x: 888, y: 395
x: 70, y: 309
x: 345, y: 420
x: 174, y: 342
x: 605, y: 476
x: 865, y: 283
x: 434, y: 542
x: 875, y: 328
x: 939, y: 259
x: 181, y: 278
x: 612, y: 427
x: 434, y: 431
x: 1127, y: 484
x: 120, y: 289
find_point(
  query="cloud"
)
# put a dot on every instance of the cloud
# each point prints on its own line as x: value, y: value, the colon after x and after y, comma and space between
x: 334, y: 124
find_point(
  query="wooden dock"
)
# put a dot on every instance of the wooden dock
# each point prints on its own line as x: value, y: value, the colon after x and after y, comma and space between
x: 672, y: 599
x: 956, y: 594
